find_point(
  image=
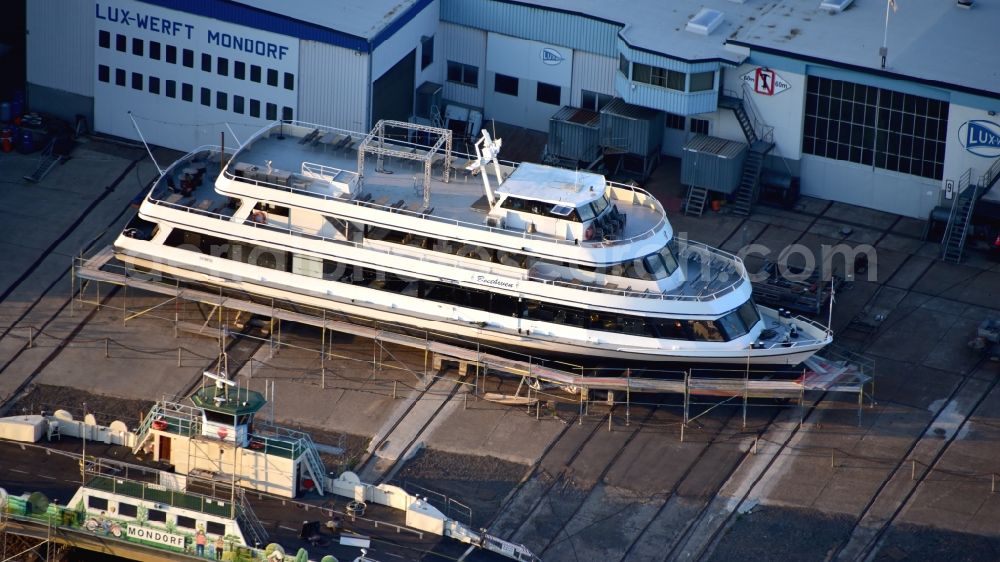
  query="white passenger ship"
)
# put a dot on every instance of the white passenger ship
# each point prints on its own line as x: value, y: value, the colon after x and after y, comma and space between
x: 391, y: 226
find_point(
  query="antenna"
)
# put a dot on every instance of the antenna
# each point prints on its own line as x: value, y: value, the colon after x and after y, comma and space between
x: 221, y: 381
x: 148, y: 151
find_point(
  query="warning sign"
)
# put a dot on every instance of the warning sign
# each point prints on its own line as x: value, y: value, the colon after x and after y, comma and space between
x: 765, y: 81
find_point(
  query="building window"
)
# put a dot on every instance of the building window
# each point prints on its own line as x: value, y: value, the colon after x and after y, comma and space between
x: 171, y: 88
x: 254, y: 108
x: 239, y: 70
x: 137, y: 46
x: 289, y: 81
x: 238, y: 104
x: 154, y: 85
x: 547, y: 93
x: 875, y: 127
x: 94, y: 502
x: 187, y: 92
x: 188, y: 58
x: 272, y: 77
x: 221, y: 100
x: 171, y: 54
x: 104, y: 39
x: 119, y: 77
x: 702, y: 81
x: 656, y: 76
x: 206, y: 97
x: 463, y: 74
x: 154, y: 50
x: 127, y: 509
x: 186, y: 522
x: 272, y: 112
x: 136, y: 81
x: 426, y: 51
x: 254, y: 73
x: 623, y: 65
x: 286, y: 113
x: 593, y: 100
x: 213, y: 528
x: 206, y: 62
x: 157, y: 515
x: 103, y: 73
x: 699, y: 126
x: 120, y: 43
x: 675, y: 121
x: 504, y: 84
x: 222, y: 66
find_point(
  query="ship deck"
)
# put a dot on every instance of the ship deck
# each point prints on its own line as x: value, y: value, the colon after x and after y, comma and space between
x: 396, y: 183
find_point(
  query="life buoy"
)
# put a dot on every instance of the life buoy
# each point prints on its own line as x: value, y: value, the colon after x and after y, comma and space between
x: 259, y: 217
x: 588, y: 234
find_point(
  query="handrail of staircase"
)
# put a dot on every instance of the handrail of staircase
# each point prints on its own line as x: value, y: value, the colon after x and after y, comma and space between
x: 766, y: 131
x: 990, y: 175
x: 963, y: 183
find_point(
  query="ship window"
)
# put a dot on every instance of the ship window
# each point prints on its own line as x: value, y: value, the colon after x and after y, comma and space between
x: 120, y: 76
x: 127, y: 509
x: 157, y: 515
x: 186, y: 522
x: 221, y: 100
x: 599, y: 205
x: 273, y: 210
x: 213, y: 528
x: 206, y: 97
x: 668, y: 259
x: 187, y: 92
x: 154, y: 85
x: 586, y: 213
x: 749, y: 315
x: 732, y: 325
x: 94, y: 502
x: 136, y: 81
x: 705, y: 330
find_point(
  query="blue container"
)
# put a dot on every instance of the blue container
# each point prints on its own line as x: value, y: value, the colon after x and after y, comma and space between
x: 16, y: 108
x: 4, y: 112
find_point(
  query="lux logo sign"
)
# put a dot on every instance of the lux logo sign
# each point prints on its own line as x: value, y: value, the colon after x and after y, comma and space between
x: 981, y: 138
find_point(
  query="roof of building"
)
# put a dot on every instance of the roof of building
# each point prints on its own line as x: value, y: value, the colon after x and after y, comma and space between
x: 361, y: 18
x: 935, y: 42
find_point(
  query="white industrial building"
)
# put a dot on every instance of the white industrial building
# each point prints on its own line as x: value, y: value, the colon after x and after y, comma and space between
x: 896, y: 134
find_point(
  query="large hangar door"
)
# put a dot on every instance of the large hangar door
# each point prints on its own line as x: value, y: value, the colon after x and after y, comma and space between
x: 392, y: 96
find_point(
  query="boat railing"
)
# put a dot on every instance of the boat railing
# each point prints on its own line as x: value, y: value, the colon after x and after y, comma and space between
x: 620, y: 193
x: 327, y: 173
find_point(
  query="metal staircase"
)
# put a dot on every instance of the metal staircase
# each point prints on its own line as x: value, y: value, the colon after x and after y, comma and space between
x: 253, y: 529
x: 49, y: 161
x: 314, y: 463
x: 742, y: 107
x: 959, y: 219
x: 746, y: 194
x: 694, y: 204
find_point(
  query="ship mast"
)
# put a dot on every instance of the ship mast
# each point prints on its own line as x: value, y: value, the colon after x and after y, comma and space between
x: 487, y: 150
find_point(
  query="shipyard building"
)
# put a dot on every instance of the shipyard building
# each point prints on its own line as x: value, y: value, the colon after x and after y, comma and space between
x: 894, y: 116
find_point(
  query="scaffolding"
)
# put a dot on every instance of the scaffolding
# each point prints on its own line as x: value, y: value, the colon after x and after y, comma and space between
x: 837, y: 371
x: 375, y: 143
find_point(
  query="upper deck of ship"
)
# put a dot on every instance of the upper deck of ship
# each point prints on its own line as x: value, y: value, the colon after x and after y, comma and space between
x: 323, y: 162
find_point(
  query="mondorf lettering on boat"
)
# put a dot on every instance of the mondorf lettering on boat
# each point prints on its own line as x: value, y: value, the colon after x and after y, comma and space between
x: 980, y: 137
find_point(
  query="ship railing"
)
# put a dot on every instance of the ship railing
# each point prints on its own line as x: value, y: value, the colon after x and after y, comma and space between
x: 160, y: 184
x: 620, y: 193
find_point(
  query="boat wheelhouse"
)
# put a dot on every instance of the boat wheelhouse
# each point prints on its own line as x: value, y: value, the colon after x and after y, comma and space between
x: 393, y: 226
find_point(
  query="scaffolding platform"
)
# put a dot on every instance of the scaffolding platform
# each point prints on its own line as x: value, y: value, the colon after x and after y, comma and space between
x: 835, y: 372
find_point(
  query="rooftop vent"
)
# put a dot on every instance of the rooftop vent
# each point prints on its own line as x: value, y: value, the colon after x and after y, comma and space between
x: 964, y: 3
x: 835, y: 6
x: 705, y: 21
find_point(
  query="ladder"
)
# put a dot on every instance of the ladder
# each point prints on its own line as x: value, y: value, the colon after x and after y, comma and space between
x: 694, y: 205
x: 49, y: 161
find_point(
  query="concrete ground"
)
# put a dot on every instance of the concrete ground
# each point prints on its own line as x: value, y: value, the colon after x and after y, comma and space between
x: 912, y: 480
